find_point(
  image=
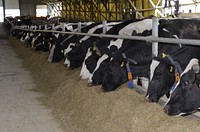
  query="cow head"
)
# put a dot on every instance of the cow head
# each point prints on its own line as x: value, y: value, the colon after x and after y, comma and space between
x: 91, y: 61
x: 98, y: 73
x: 162, y: 80
x: 97, y: 77
x: 185, y: 98
x: 51, y: 38
x: 61, y: 47
x: 114, y: 75
x: 38, y: 40
x: 85, y: 74
x: 76, y: 56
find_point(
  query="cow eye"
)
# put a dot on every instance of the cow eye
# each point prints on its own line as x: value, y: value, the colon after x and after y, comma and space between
x: 185, y: 83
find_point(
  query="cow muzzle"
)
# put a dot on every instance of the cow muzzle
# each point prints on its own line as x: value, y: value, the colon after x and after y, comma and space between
x: 151, y: 98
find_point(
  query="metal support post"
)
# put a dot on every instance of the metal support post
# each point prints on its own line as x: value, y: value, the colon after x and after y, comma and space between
x: 104, y: 26
x: 4, y: 8
x: 79, y: 27
x: 155, y: 34
x: 63, y: 27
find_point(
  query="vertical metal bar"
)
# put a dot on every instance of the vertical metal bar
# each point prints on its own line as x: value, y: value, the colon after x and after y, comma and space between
x: 104, y: 26
x: 53, y: 26
x: 4, y: 8
x: 63, y: 26
x: 79, y: 27
x: 45, y: 27
x: 155, y: 34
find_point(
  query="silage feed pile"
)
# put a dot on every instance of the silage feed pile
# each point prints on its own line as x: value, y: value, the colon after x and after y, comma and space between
x: 87, y: 109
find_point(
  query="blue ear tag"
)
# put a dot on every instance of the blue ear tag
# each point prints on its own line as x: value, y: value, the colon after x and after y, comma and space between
x: 130, y: 77
x: 130, y: 84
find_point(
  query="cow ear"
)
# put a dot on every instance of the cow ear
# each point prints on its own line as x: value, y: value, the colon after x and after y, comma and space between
x: 96, y: 49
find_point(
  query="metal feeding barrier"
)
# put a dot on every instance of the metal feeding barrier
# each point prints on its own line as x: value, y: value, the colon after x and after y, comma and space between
x: 154, y: 39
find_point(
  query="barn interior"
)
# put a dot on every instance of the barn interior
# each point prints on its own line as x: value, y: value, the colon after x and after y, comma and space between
x: 39, y: 94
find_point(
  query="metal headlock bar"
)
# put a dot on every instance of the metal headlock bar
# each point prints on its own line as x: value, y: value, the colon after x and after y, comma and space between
x: 142, y: 38
x: 148, y: 38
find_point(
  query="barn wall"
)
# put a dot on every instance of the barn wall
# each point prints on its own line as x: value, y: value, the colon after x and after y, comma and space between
x: 12, y: 4
x: 106, y: 9
x: 27, y: 7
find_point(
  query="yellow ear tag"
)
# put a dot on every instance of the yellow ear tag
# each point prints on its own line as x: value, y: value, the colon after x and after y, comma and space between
x: 163, y: 55
x: 122, y: 64
x: 171, y: 69
x: 177, y: 77
x: 94, y: 47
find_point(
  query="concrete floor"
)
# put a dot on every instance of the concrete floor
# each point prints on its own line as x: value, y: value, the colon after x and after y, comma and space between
x: 20, y: 111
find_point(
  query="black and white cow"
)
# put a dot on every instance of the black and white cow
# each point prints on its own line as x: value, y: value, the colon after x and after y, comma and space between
x: 93, y: 53
x: 44, y: 40
x: 78, y: 52
x: 134, y: 46
x: 163, y: 78
x: 185, y: 98
x: 17, y: 33
x: 110, y: 45
x: 66, y: 42
x: 56, y: 53
x: 115, y: 72
x: 28, y: 34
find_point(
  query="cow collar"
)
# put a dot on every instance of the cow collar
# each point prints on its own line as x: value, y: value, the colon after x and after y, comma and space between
x: 130, y: 77
x: 178, y: 69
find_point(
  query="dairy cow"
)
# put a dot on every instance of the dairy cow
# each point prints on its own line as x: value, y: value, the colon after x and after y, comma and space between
x: 185, y: 98
x: 66, y: 42
x: 93, y: 53
x: 56, y: 53
x: 110, y: 45
x: 115, y: 72
x: 97, y: 76
x: 78, y: 52
x: 163, y: 78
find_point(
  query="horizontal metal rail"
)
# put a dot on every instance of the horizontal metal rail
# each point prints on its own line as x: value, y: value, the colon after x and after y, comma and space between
x: 142, y: 38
